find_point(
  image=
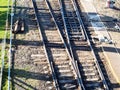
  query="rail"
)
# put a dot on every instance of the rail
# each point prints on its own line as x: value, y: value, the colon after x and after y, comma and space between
x: 50, y: 62
x: 83, y: 28
x: 72, y: 59
x: 79, y: 18
x: 10, y: 46
x: 96, y: 61
x: 68, y: 39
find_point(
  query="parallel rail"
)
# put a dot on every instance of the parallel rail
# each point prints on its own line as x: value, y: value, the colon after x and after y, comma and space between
x: 50, y: 63
x: 82, y: 51
x: 61, y: 64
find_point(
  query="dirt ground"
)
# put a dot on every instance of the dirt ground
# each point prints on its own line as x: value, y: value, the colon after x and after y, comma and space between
x: 102, y: 10
x: 109, y: 15
x: 29, y: 76
x: 26, y: 74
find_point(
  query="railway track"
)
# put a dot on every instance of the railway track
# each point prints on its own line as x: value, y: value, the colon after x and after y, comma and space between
x: 81, y: 49
x: 72, y: 20
x: 43, y: 53
x: 98, y: 49
x: 55, y: 8
x: 39, y: 58
x: 60, y: 62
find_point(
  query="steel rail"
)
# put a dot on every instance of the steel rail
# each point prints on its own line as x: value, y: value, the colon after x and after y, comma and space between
x: 68, y: 39
x: 89, y: 43
x: 50, y: 62
x: 96, y: 62
x: 10, y: 46
x: 58, y: 28
x: 72, y: 60
x: 79, y: 18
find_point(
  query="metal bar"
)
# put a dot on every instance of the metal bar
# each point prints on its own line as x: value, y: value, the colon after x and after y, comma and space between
x: 10, y: 51
x: 50, y: 62
x: 81, y: 83
x: 55, y: 79
x: 68, y: 38
x: 96, y: 61
x: 79, y: 18
x: 72, y: 60
x: 10, y: 47
x: 59, y: 31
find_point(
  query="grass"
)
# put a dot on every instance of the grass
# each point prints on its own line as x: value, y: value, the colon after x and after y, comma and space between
x: 3, y: 15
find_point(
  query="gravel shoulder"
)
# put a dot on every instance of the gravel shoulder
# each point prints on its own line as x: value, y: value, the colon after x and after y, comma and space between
x: 108, y: 15
x: 26, y: 73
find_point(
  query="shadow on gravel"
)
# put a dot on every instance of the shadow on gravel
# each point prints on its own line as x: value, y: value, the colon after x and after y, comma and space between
x: 19, y: 77
x: 116, y: 8
x: 17, y: 74
x: 25, y: 84
x: 109, y: 23
x: 116, y: 85
x: 114, y: 50
x: 40, y: 76
x: 24, y: 42
x: 30, y: 75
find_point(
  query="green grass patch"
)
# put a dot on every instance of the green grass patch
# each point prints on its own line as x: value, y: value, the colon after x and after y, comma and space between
x: 5, y: 85
x: 3, y: 15
x: 5, y: 72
